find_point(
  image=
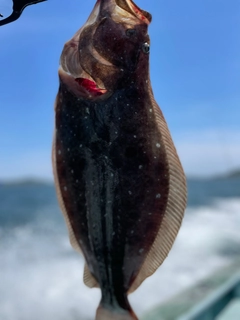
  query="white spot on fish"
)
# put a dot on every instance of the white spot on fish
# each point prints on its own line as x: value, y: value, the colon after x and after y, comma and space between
x: 150, y: 110
x: 113, y: 233
x: 158, y: 196
x: 59, y: 151
x: 65, y: 188
x: 76, y: 181
x: 72, y: 171
x: 158, y: 145
x: 80, y: 146
x: 130, y: 192
x: 140, y: 167
x: 132, y: 231
x: 141, y: 250
x: 135, y: 136
x: 112, y: 174
x: 150, y: 213
x: 87, y: 110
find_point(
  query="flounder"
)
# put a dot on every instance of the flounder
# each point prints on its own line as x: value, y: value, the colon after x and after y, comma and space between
x: 119, y: 180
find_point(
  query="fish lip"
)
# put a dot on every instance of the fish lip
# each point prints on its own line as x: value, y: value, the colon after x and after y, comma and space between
x: 132, y: 8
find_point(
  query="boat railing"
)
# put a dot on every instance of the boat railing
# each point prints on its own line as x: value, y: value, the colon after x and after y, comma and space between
x: 222, y: 304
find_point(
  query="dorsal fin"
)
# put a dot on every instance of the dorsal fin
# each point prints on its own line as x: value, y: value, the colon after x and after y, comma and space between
x: 88, y: 279
x: 175, y: 208
x: 72, y: 237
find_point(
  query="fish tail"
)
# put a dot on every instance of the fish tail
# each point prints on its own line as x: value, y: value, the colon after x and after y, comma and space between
x: 111, y: 314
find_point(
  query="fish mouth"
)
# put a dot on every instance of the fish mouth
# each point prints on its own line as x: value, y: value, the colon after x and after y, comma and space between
x: 90, y: 86
x: 83, y: 86
x: 132, y: 8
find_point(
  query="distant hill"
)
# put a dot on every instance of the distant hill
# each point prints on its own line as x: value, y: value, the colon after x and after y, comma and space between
x: 234, y: 174
x: 229, y: 175
x: 27, y: 181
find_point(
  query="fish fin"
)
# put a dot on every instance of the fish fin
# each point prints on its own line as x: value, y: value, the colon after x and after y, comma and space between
x: 174, y: 211
x: 107, y: 314
x: 72, y: 237
x: 89, y: 279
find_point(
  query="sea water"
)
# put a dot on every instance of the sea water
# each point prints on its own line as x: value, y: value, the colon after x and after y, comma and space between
x: 41, y: 275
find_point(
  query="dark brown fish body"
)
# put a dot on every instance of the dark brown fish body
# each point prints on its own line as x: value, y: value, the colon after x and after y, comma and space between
x: 119, y: 181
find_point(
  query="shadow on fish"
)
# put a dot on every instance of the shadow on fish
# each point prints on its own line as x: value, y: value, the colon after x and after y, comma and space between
x: 119, y: 180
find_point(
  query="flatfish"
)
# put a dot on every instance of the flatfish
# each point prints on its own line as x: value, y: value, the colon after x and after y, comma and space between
x: 119, y: 181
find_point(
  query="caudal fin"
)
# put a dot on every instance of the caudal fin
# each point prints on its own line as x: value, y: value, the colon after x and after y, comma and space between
x: 107, y: 314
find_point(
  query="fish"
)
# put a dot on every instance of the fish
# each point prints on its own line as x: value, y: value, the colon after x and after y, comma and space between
x: 119, y: 181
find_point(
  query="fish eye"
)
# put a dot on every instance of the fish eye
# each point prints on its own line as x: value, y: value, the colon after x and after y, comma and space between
x: 146, y: 47
x: 131, y: 32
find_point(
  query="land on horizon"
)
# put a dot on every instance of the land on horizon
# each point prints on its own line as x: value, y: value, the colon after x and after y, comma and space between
x: 35, y: 180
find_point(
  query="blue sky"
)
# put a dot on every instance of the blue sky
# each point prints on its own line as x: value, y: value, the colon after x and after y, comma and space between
x: 195, y: 74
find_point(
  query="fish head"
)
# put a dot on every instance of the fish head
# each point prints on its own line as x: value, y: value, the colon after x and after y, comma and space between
x: 105, y: 53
